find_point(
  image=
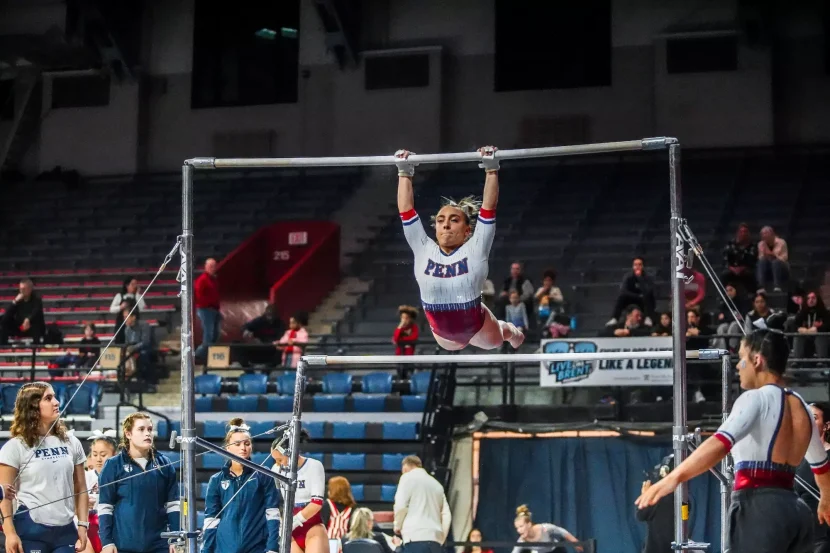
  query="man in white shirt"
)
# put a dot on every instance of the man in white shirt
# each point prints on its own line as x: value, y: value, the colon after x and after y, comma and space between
x: 422, y: 514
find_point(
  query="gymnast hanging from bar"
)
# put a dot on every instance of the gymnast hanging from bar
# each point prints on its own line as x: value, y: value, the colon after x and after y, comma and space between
x: 451, y: 273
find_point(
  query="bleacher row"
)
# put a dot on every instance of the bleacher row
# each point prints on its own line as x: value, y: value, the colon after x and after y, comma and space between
x: 84, y: 403
x: 377, y: 392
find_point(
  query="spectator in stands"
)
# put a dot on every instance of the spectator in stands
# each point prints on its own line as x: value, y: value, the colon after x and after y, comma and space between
x: 488, y: 295
x: 549, y: 294
x: 138, y: 337
x: 695, y: 289
x: 362, y: 528
x: 697, y: 334
x: 406, y: 333
x: 267, y: 328
x: 516, y: 312
x: 88, y: 355
x: 24, y: 317
x: 422, y: 514
x: 632, y: 325
x: 773, y: 260
x: 241, y: 505
x: 206, y: 292
x: 129, y: 290
x: 338, y: 507
x: 706, y: 374
x: 663, y: 328
x: 133, y: 516
x: 475, y: 536
x: 637, y: 288
x: 51, y: 488
x: 813, y: 325
x: 294, y: 340
x: 741, y: 258
x: 542, y: 532
x: 727, y: 323
x: 120, y: 330
x: 757, y: 317
x: 516, y: 281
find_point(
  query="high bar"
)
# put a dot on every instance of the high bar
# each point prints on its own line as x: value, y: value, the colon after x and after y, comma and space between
x: 318, y: 360
x: 423, y: 159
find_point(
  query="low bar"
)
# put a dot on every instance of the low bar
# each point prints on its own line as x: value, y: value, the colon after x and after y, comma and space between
x: 424, y: 159
x: 244, y: 462
x: 318, y: 360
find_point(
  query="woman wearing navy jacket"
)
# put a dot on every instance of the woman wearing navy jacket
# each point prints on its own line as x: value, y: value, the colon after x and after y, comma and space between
x: 251, y: 522
x: 133, y: 512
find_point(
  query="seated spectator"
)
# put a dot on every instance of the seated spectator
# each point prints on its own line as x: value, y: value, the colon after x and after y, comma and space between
x: 812, y: 332
x: 549, y: 294
x: 697, y: 337
x: 516, y: 281
x: 127, y: 305
x: 362, y: 528
x: 741, y: 258
x: 267, y: 328
x: 632, y: 325
x: 695, y: 289
x: 337, y: 510
x: 130, y: 290
x: 697, y: 334
x: 294, y: 340
x: 516, y: 312
x: 406, y: 334
x: 760, y: 313
x: 794, y: 303
x: 24, y: 317
x: 726, y: 322
x: 663, y: 328
x: 637, y: 288
x: 488, y: 295
x: 476, y: 537
x: 88, y: 355
x: 138, y: 337
x: 773, y: 260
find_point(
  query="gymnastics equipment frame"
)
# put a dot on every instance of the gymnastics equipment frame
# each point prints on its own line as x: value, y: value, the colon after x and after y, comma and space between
x: 189, y: 441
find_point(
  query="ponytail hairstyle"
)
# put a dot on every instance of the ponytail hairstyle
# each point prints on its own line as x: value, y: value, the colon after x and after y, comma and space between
x: 770, y: 344
x: 107, y: 436
x: 235, y: 425
x: 523, y: 513
x: 468, y: 205
x: 127, y: 426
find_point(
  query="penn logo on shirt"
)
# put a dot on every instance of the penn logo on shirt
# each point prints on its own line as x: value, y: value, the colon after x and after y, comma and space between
x: 300, y: 483
x: 51, y: 452
x: 447, y: 271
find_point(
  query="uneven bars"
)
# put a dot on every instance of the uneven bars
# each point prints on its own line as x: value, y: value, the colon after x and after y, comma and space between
x: 317, y: 360
x: 658, y: 143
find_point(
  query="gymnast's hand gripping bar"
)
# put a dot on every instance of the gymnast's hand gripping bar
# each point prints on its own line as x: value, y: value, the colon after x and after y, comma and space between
x: 657, y: 143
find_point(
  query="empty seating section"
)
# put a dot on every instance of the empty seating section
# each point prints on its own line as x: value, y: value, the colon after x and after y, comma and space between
x: 332, y: 392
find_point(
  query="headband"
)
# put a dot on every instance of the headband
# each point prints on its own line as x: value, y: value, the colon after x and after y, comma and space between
x: 97, y: 434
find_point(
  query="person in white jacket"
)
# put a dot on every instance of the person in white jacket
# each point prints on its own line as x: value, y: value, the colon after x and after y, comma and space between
x: 422, y: 514
x: 130, y: 290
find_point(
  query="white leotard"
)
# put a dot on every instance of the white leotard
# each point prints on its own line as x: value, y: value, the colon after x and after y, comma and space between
x: 311, y: 482
x: 750, y: 432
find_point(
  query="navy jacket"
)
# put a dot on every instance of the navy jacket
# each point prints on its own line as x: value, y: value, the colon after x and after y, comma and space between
x: 250, y: 523
x: 133, y: 513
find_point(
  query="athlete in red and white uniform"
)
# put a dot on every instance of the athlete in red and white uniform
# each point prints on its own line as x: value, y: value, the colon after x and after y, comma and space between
x: 768, y: 432
x: 451, y: 272
x: 308, y: 532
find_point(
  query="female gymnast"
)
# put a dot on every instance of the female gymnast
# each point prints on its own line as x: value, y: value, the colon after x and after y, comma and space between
x: 544, y: 532
x: 133, y: 512
x: 103, y: 447
x: 241, y: 506
x: 821, y: 533
x: 769, y: 432
x: 307, y: 530
x: 49, y: 463
x: 451, y: 273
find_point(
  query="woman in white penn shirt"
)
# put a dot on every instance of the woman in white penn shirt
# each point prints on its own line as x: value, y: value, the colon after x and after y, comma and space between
x: 422, y: 514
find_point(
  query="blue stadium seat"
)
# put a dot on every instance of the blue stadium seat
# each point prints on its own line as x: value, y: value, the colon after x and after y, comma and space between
x: 203, y: 490
x: 348, y: 461
x: 243, y: 404
x: 8, y: 395
x: 85, y: 401
x: 400, y: 431
x: 208, y: 384
x: 285, y: 384
x: 174, y: 456
x: 357, y: 492
x: 369, y: 403
x: 329, y: 403
x: 337, y: 383
x: 215, y: 429
x: 60, y: 393
x: 387, y: 492
x: 377, y: 383
x: 419, y: 383
x: 259, y: 458
x: 413, y: 404
x: 258, y: 428
x: 204, y: 404
x: 163, y: 428
x: 392, y: 461
x: 348, y: 430
x: 279, y: 404
x: 255, y: 384
x: 319, y: 456
x: 316, y: 429
x: 200, y: 519
x: 212, y: 461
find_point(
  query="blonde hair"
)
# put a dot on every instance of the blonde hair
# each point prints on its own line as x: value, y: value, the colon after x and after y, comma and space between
x: 359, y: 528
x: 26, y: 421
x: 523, y: 513
x: 127, y: 426
x: 468, y: 205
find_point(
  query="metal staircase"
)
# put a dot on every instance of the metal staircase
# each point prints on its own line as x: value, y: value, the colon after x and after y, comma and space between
x: 28, y: 100
x: 437, y: 424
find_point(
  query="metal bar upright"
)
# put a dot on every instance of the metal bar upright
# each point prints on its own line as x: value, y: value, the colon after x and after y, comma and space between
x: 293, y: 454
x: 188, y: 401
x: 678, y: 256
x: 725, y: 469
